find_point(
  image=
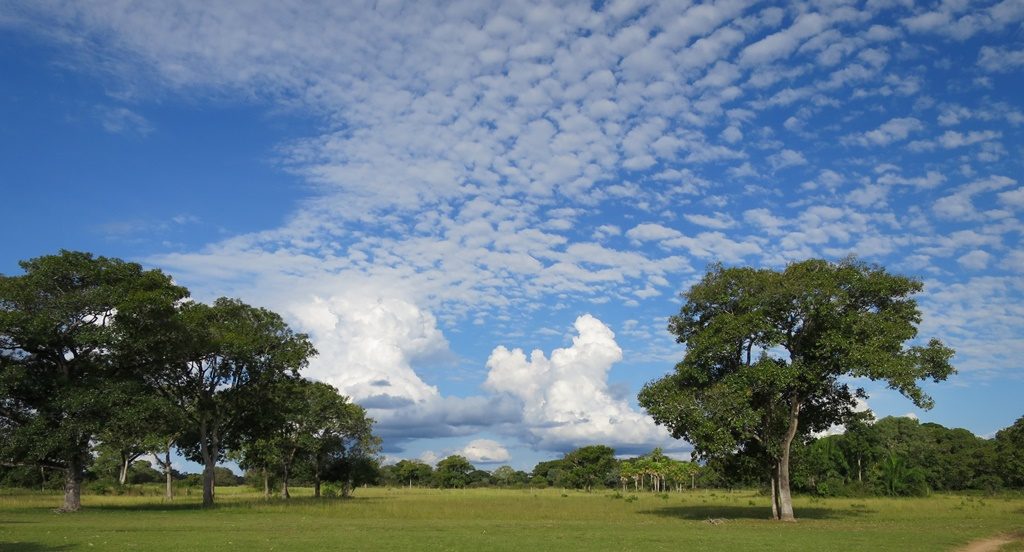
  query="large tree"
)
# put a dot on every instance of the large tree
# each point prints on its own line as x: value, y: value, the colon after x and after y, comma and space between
x: 769, y: 354
x: 71, y: 329
x: 224, y: 363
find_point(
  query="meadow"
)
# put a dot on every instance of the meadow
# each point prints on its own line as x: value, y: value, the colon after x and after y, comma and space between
x: 491, y: 519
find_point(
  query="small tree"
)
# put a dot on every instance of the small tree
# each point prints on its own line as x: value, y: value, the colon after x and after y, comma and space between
x: 767, y: 351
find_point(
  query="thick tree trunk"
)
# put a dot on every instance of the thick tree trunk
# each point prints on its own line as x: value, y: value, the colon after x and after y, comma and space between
x: 73, y: 485
x: 785, y: 498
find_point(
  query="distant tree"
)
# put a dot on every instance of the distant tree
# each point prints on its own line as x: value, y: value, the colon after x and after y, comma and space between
x: 227, y: 359
x: 861, y: 445
x: 551, y: 471
x: 71, y: 328
x: 144, y: 423
x: 410, y: 472
x: 589, y: 466
x: 507, y: 476
x: 1009, y: 449
x: 453, y: 471
x: 767, y: 354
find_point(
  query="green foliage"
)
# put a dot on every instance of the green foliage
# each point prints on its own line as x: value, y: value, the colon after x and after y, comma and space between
x: 1009, y: 452
x: 453, y: 472
x: 413, y: 472
x: 768, y: 353
x: 74, y: 329
x: 899, y: 479
x: 590, y: 466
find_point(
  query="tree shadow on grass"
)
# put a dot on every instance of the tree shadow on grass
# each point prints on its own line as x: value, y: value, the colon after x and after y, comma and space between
x: 230, y: 504
x: 31, y: 547
x: 704, y: 512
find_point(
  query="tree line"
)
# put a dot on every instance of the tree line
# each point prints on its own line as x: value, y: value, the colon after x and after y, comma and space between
x: 894, y: 456
x: 99, y: 356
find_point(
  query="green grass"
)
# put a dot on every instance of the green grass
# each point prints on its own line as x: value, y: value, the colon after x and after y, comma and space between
x: 484, y: 519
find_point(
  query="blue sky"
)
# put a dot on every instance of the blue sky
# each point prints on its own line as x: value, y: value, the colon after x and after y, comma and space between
x: 484, y: 212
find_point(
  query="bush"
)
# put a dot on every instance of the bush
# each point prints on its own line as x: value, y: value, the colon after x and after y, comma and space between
x: 330, y: 490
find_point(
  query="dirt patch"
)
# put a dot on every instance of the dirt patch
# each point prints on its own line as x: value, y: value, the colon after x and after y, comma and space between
x: 991, y: 544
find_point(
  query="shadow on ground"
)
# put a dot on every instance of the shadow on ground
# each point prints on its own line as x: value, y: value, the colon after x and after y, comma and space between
x: 229, y: 504
x: 701, y: 513
x: 31, y: 547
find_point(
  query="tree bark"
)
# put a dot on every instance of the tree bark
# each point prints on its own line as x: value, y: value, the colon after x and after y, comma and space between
x: 209, y: 446
x: 785, y: 497
x: 316, y: 477
x: 284, y: 483
x: 287, y: 473
x: 123, y: 476
x: 266, y: 484
x: 168, y: 474
x: 73, y: 485
x: 774, y: 483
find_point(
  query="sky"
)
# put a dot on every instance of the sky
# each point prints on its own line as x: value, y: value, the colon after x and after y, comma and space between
x: 483, y: 213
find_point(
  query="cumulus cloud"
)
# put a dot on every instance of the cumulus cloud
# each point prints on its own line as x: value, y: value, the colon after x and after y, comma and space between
x: 485, y: 451
x: 566, y: 398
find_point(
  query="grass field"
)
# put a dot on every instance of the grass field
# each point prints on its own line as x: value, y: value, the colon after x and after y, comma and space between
x: 485, y: 519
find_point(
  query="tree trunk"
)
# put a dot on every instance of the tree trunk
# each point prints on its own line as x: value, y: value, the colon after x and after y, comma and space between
x: 209, y: 447
x: 284, y: 483
x: 860, y: 478
x: 774, y: 483
x: 316, y: 476
x: 287, y: 473
x: 73, y: 485
x: 785, y: 498
x: 168, y: 474
x: 123, y: 476
x: 266, y: 484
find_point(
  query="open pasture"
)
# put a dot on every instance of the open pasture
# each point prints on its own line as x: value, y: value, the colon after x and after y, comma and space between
x: 488, y: 519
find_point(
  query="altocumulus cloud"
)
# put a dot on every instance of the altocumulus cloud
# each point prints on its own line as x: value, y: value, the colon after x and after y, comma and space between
x: 484, y: 165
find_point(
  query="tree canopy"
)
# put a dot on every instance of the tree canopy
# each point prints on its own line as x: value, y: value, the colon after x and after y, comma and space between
x: 770, y: 353
x: 71, y: 330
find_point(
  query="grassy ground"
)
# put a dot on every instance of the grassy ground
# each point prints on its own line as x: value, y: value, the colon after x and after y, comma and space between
x: 404, y: 519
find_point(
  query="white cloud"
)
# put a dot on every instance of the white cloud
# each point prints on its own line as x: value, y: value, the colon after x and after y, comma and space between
x: 1000, y: 60
x: 718, y: 221
x: 786, y: 158
x: 894, y: 130
x: 783, y: 42
x: 566, y: 398
x: 121, y: 120
x: 485, y: 451
x: 975, y: 260
x: 651, y: 232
